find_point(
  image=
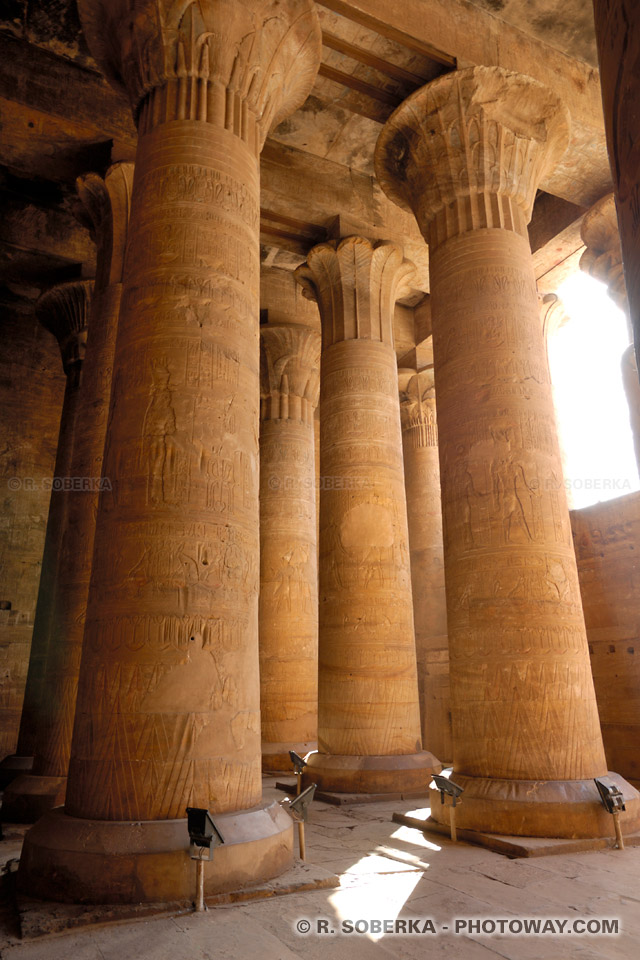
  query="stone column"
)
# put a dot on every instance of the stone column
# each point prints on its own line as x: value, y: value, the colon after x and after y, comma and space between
x: 617, y: 24
x: 64, y: 311
x: 465, y: 154
x: 168, y: 707
x: 368, y: 716
x: 288, y: 622
x: 107, y: 204
x: 424, y: 514
x: 603, y: 260
x: 631, y: 384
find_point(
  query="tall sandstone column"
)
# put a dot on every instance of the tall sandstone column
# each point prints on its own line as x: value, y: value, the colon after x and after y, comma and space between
x: 288, y: 623
x: 424, y: 514
x: 168, y: 697
x: 617, y: 25
x: 602, y: 260
x: 368, y: 716
x: 107, y: 203
x: 465, y: 154
x: 64, y: 311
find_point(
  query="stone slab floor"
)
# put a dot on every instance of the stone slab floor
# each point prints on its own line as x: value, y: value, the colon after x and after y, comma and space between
x: 388, y: 872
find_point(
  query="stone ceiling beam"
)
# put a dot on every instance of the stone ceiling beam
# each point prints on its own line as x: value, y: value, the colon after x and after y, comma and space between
x: 475, y: 37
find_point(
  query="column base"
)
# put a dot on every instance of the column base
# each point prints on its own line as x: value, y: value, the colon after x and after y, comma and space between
x: 30, y: 796
x: 562, y: 809
x: 401, y: 773
x: 12, y: 766
x: 72, y: 860
x: 276, y: 759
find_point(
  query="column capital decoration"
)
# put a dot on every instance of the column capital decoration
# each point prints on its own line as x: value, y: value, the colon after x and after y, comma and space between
x: 289, y: 372
x: 64, y: 311
x: 418, y: 407
x: 468, y: 150
x: 212, y: 60
x: 106, y: 205
x: 603, y: 257
x: 356, y: 284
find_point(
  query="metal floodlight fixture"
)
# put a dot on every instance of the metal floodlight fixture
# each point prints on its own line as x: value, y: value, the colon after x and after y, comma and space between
x: 297, y: 761
x: 299, y: 808
x: 203, y: 833
x: 446, y: 786
x: 610, y: 794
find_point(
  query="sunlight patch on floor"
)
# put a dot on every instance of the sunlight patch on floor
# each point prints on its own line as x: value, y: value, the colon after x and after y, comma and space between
x: 413, y: 836
x: 380, y: 895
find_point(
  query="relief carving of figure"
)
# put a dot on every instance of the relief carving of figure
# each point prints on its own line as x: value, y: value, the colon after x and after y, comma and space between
x: 513, y: 499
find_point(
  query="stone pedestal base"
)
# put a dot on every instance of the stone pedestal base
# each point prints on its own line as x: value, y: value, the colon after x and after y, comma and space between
x: 536, y: 808
x: 70, y: 860
x: 29, y: 797
x: 13, y: 766
x: 395, y: 774
x: 276, y: 759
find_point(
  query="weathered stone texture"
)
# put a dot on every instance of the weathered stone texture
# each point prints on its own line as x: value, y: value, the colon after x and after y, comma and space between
x: 107, y: 204
x: 466, y: 153
x: 424, y: 514
x: 31, y: 389
x: 288, y: 609
x: 607, y: 543
x: 618, y: 35
x: 64, y: 311
x: 368, y: 697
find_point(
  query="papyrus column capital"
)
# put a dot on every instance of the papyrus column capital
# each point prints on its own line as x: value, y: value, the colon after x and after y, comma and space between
x: 106, y: 203
x: 603, y: 257
x: 469, y: 149
x: 356, y: 284
x: 290, y: 372
x: 242, y: 63
x: 64, y: 312
x: 418, y: 407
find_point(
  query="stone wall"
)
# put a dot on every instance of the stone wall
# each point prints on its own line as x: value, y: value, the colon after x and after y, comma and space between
x: 607, y: 542
x: 31, y: 389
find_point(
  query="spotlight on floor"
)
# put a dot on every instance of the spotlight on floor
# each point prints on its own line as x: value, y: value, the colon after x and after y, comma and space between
x: 204, y: 837
x: 613, y: 802
x: 299, y: 810
x: 450, y: 789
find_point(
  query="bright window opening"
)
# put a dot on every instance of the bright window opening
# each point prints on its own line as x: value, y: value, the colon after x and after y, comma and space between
x: 591, y: 406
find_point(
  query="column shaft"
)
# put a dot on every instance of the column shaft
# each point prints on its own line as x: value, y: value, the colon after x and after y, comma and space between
x: 368, y: 716
x: 168, y: 712
x: 424, y: 515
x: 34, y: 698
x: 617, y: 24
x: 64, y: 311
x: 172, y: 611
x: 512, y: 585
x: 466, y: 153
x: 288, y: 609
x: 108, y: 203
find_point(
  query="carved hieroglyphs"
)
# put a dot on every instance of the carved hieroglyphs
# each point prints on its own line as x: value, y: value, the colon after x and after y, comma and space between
x: 424, y: 514
x: 168, y: 697
x: 466, y: 153
x: 107, y: 203
x: 288, y: 620
x: 368, y: 717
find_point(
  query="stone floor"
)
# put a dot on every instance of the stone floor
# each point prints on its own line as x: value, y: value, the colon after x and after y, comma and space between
x: 387, y: 872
